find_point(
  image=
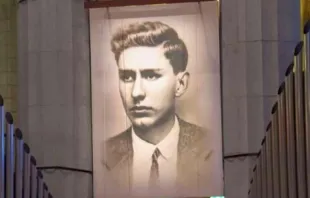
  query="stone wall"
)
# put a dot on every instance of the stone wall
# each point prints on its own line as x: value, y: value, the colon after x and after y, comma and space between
x: 54, y: 102
x: 8, y: 55
x: 258, y: 39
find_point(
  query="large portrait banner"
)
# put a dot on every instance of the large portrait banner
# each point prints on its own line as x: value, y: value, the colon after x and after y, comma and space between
x: 156, y: 101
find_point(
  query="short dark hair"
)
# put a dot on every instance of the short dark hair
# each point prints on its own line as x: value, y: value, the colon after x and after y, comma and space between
x: 152, y: 34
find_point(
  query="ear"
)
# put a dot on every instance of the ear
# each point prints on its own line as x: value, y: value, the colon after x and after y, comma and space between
x: 182, y: 83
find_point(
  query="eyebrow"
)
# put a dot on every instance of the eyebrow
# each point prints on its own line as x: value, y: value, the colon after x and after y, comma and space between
x: 141, y: 70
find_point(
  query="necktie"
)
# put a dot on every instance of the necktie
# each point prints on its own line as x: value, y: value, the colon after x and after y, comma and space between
x: 154, y: 175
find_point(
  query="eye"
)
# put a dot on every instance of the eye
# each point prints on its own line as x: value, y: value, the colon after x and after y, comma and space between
x: 127, y: 76
x: 150, y: 75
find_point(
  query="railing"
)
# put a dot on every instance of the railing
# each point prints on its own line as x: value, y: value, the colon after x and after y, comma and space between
x: 19, y: 175
x: 282, y: 167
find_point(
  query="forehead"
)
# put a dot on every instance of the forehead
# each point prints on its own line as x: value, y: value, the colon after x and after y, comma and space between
x: 143, y: 58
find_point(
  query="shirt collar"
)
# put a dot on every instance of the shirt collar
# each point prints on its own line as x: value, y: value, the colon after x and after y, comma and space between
x: 167, y: 146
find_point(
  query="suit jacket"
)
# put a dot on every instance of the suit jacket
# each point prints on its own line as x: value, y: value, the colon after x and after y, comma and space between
x: 194, y: 163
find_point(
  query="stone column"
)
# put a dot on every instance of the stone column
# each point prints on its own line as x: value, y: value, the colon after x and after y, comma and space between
x: 8, y: 53
x: 258, y: 38
x: 55, y: 94
x: 235, y: 114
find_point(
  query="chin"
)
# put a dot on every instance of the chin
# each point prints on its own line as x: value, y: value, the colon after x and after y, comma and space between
x: 143, y: 122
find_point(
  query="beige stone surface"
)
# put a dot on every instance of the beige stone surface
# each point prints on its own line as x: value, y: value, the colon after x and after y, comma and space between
x: 8, y: 53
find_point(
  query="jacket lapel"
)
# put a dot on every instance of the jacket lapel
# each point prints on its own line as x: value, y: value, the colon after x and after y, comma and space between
x: 119, y: 163
x: 191, y: 150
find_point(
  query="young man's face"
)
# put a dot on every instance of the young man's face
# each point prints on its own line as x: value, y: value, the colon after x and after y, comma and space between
x: 147, y: 85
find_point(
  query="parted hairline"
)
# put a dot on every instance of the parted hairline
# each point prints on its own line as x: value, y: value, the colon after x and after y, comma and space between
x: 151, y: 34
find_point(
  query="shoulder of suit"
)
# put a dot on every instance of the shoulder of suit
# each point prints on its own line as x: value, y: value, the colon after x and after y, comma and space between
x: 118, y: 141
x: 193, y: 130
x: 115, y: 148
x: 195, y: 138
x: 118, y: 137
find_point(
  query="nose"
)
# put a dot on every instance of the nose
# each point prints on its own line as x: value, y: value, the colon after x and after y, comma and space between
x: 138, y: 90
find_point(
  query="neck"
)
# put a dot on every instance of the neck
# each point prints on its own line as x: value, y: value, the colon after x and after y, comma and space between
x: 158, y: 132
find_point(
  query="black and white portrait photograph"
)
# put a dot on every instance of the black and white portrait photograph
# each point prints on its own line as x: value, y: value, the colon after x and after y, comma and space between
x: 156, y: 101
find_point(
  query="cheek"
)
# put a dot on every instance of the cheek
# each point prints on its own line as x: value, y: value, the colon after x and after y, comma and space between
x: 162, y: 90
x: 124, y: 90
